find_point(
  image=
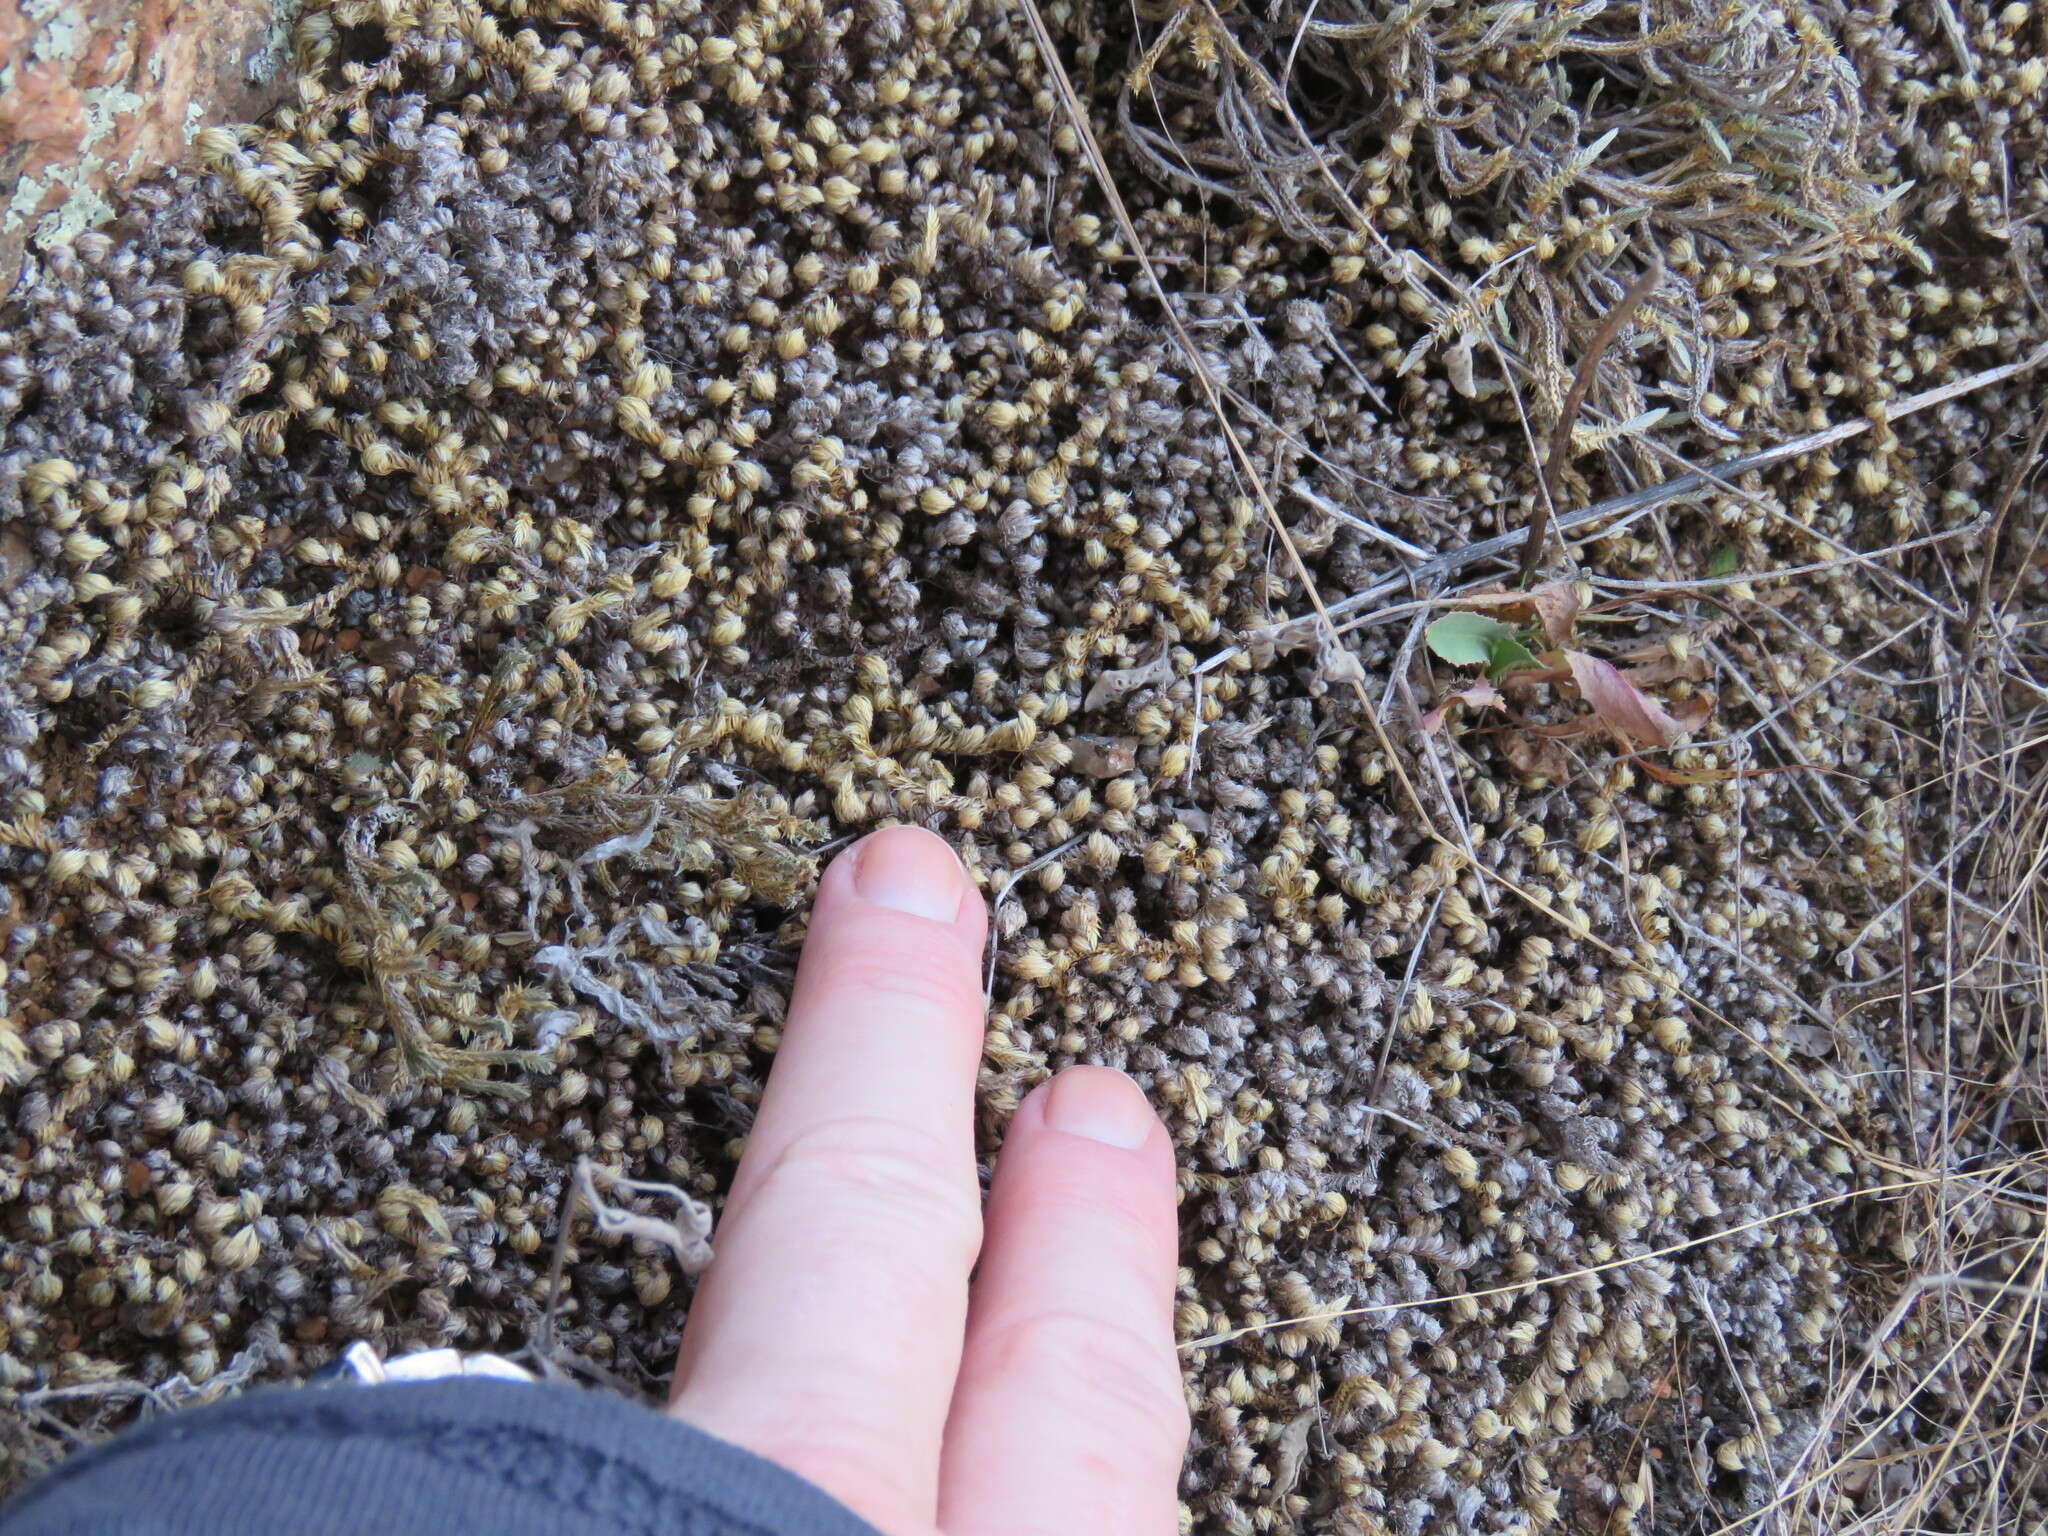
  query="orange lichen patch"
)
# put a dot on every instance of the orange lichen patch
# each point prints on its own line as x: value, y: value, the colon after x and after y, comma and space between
x: 96, y: 95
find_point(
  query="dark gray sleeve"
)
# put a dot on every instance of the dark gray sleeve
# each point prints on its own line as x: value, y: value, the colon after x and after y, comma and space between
x: 469, y: 1455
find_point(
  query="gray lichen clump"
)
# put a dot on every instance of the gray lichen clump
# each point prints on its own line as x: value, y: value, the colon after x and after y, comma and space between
x: 472, y: 548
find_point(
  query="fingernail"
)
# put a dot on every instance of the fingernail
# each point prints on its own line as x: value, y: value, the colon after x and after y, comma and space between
x: 1100, y: 1104
x: 911, y: 870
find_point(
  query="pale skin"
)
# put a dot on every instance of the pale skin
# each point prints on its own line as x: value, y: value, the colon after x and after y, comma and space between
x: 865, y: 1323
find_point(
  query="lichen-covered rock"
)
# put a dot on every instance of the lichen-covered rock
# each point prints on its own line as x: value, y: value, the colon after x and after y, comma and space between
x: 95, y: 94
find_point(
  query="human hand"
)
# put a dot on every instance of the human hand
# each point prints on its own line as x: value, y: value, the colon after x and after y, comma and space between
x: 836, y: 1331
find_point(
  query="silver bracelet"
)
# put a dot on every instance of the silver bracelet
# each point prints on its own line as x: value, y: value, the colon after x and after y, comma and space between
x: 361, y: 1365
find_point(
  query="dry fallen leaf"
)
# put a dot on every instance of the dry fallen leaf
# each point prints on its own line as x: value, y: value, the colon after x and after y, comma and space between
x: 1475, y: 696
x: 1458, y: 368
x: 1103, y: 757
x: 1535, y: 755
x: 1113, y: 685
x: 1336, y: 664
x: 1632, y: 715
x: 1649, y: 666
x: 1293, y: 1451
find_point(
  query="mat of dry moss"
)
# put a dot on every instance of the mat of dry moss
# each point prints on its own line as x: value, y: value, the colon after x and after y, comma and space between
x: 468, y: 551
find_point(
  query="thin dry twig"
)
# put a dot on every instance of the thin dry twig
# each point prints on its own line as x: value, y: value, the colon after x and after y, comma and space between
x: 1452, y: 562
x: 1517, y: 1287
x: 995, y: 914
x: 1568, y: 414
x: 2022, y: 467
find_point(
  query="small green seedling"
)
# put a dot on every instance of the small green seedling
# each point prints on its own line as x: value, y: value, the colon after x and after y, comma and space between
x: 1474, y: 640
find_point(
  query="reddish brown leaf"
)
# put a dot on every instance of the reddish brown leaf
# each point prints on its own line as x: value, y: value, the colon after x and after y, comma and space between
x: 1693, y: 712
x: 1687, y: 777
x: 1648, y: 666
x: 1668, y: 669
x: 1475, y: 696
x: 1554, y: 606
x: 1528, y: 678
x: 1632, y: 715
x: 1534, y: 756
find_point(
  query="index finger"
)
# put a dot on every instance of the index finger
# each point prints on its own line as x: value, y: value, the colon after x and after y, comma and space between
x: 827, y: 1334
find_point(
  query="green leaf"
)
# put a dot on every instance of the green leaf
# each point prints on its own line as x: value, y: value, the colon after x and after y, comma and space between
x: 1724, y: 561
x: 1468, y: 639
x: 1508, y: 654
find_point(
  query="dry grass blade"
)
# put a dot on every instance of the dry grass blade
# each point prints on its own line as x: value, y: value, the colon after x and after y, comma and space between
x: 2022, y: 468
x: 1604, y: 515
x: 1077, y: 116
